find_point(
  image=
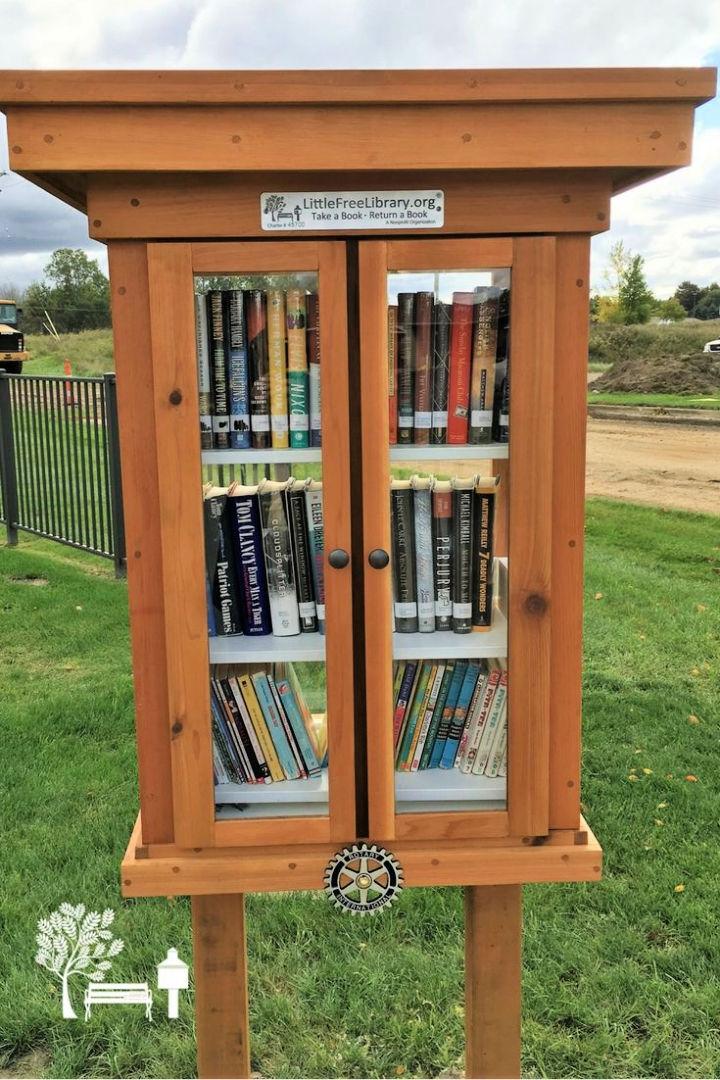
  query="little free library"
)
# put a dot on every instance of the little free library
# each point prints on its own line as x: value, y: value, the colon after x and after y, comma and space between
x: 350, y: 314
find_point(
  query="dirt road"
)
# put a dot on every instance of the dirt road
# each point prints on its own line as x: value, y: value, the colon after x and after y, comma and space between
x: 669, y: 465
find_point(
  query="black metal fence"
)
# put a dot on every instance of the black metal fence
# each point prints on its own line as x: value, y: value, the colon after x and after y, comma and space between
x: 60, y: 462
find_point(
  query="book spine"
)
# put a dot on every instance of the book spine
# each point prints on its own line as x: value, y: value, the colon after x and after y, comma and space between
x: 238, y: 724
x: 476, y: 718
x: 211, y: 624
x: 276, y: 728
x: 258, y: 369
x: 419, y: 725
x: 312, y: 304
x: 457, y: 724
x: 282, y: 593
x: 290, y: 734
x: 441, y: 373
x: 261, y: 728
x: 405, y: 375
x: 298, y: 393
x: 494, y: 718
x: 403, y: 551
x: 423, y: 367
x: 403, y: 698
x: 277, y: 368
x: 236, y: 742
x: 220, y: 397
x: 462, y: 527
x: 438, y: 711
x: 482, y: 576
x: 221, y: 739
x: 202, y: 342
x: 247, y: 542
x: 418, y: 697
x: 302, y: 563
x: 442, y: 554
x: 262, y: 764
x: 425, y: 585
x: 237, y: 369
x: 447, y: 714
x: 392, y: 353
x: 482, y: 379
x: 316, y: 544
x: 398, y: 672
x: 459, y: 378
x: 224, y: 586
x: 427, y: 720
x: 496, y: 754
x: 501, y: 407
x: 407, y: 712
x: 287, y: 699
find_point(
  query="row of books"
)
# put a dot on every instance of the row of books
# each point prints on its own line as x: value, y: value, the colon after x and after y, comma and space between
x: 442, y: 543
x: 448, y: 368
x: 451, y: 714
x: 264, y: 548
x: 262, y: 730
x: 258, y: 356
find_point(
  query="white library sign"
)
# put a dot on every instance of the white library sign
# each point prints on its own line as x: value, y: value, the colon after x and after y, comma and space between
x: 308, y: 211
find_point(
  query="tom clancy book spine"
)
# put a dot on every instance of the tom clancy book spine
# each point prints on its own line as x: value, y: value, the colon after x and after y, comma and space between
x: 403, y: 552
x: 218, y: 367
x: 501, y: 408
x: 302, y: 562
x: 246, y: 535
x: 237, y: 369
x: 316, y: 545
x: 312, y: 306
x: 218, y: 548
x: 277, y: 368
x: 459, y: 378
x: 282, y: 593
x: 393, y: 373
x: 442, y: 518
x: 462, y: 527
x: 482, y: 552
x: 422, y: 420
x: 298, y: 390
x: 424, y: 577
x: 441, y: 373
x: 482, y: 378
x: 405, y: 373
x: 202, y: 343
x: 258, y: 369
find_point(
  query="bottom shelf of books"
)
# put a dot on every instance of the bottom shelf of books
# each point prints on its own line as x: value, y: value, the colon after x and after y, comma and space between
x: 269, y: 740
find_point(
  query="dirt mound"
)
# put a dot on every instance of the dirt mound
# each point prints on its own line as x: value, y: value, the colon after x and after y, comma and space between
x: 694, y: 373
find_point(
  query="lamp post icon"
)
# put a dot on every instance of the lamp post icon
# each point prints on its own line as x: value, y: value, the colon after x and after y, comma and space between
x: 173, y: 976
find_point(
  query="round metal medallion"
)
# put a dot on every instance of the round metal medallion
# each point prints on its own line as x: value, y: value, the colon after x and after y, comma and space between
x: 363, y: 879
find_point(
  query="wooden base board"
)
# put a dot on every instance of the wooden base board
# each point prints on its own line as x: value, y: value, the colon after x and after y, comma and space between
x: 166, y: 870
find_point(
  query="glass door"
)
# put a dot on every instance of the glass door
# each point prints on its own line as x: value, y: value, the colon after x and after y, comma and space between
x: 438, y: 351
x: 267, y: 496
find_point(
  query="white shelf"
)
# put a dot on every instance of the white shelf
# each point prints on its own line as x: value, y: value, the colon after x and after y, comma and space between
x: 313, y: 790
x: 242, y: 649
x: 449, y: 453
x: 260, y: 457
x: 448, y: 785
x: 445, y: 645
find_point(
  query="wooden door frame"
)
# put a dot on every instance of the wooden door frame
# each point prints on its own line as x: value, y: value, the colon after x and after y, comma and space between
x: 171, y: 267
x: 531, y: 261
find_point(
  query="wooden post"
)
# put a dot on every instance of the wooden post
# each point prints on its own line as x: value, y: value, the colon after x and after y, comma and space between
x: 221, y: 992
x: 493, y: 935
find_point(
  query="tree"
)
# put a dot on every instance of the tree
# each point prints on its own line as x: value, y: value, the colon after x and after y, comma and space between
x: 76, y: 293
x: 618, y: 265
x: 635, y: 299
x: 670, y: 309
x: 688, y: 294
x: 73, y: 942
x: 708, y: 305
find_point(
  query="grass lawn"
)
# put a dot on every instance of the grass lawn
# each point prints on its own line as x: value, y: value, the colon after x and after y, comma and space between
x: 89, y: 352
x: 665, y: 401
x: 620, y: 977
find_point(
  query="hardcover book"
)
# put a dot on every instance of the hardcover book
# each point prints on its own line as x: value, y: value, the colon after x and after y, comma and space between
x: 423, y: 367
x: 302, y: 561
x: 403, y: 553
x: 459, y: 378
x: 441, y: 373
x: 218, y: 367
x: 425, y: 585
x: 237, y: 369
x: 482, y: 553
x: 482, y: 381
x: 219, y: 561
x: 258, y: 369
x: 392, y: 372
x: 202, y: 342
x: 316, y: 545
x: 312, y: 304
x: 442, y: 552
x: 298, y: 390
x: 247, y: 542
x: 405, y: 372
x: 462, y: 527
x: 277, y: 547
x: 277, y: 367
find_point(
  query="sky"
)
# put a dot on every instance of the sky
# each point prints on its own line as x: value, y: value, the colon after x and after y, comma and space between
x: 674, y: 221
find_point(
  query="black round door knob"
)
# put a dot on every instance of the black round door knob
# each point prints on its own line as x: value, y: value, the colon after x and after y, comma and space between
x: 338, y: 558
x: 378, y: 558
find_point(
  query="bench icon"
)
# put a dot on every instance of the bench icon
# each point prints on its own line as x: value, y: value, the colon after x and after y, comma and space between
x: 118, y: 994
